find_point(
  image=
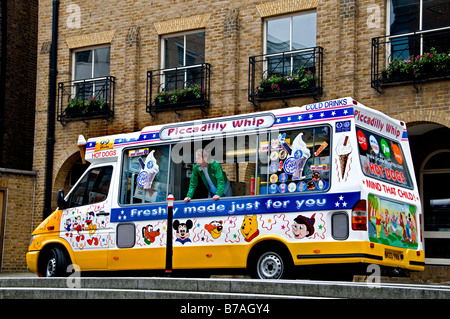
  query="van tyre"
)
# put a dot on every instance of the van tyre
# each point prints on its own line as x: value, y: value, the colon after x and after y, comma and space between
x: 272, y: 265
x: 56, y: 263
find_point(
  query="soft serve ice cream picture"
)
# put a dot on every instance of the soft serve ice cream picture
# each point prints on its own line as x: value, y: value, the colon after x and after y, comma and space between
x: 300, y: 154
x: 343, y: 150
x: 149, y: 170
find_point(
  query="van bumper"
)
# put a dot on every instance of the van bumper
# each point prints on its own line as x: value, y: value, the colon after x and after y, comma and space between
x: 358, y: 252
x: 32, y: 261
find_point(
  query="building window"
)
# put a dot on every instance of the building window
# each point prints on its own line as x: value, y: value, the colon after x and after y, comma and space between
x: 436, y: 207
x: 90, y: 72
x: 413, y: 15
x: 91, y: 64
x: 407, y: 16
x: 289, y: 33
x: 181, y: 56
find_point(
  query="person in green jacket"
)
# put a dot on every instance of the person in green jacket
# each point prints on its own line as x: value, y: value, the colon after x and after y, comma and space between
x: 211, y: 174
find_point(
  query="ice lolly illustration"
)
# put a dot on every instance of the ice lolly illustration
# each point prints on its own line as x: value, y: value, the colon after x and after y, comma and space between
x: 343, y: 149
x: 301, y: 154
x: 82, y: 146
x: 152, y: 168
x: 283, y: 143
x: 321, y: 148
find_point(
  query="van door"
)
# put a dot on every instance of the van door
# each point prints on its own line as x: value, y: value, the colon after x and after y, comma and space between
x: 85, y: 224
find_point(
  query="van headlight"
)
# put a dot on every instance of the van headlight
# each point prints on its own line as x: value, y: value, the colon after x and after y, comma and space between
x: 31, y: 241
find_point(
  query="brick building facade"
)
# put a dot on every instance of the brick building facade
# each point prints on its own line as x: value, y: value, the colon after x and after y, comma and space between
x: 18, y: 36
x: 134, y: 36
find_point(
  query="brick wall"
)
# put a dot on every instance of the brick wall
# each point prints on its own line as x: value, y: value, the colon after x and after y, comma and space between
x: 18, y: 216
x: 20, y: 85
x: 17, y: 180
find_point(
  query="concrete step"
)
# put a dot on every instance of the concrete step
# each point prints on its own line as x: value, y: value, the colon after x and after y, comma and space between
x: 200, y: 288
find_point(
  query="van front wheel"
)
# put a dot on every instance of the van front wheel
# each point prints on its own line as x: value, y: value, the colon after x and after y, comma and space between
x: 56, y: 263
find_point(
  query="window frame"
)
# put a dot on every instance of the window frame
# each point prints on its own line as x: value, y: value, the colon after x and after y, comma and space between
x: 86, y: 174
x: 177, y: 34
x: 92, y: 49
x: 184, y: 66
x: 122, y: 169
x: 401, y: 35
x: 92, y: 79
x: 301, y: 128
x: 291, y: 27
x: 291, y: 17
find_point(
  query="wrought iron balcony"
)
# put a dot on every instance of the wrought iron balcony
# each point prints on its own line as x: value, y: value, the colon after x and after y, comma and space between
x: 285, y: 75
x: 178, y: 88
x: 410, y: 58
x: 86, y: 99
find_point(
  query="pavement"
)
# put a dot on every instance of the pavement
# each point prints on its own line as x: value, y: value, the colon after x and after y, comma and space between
x: 18, y: 275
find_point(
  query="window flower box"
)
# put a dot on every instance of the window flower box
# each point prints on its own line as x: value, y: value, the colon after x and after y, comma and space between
x: 292, y: 84
x: 426, y: 66
x: 77, y: 107
x: 186, y: 96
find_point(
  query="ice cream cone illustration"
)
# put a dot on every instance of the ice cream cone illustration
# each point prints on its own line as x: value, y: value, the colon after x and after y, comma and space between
x: 343, y: 162
x: 343, y: 149
x: 82, y: 146
x: 152, y: 168
x: 301, y: 154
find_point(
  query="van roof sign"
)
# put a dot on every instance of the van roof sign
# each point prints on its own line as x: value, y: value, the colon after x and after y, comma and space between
x: 219, y: 126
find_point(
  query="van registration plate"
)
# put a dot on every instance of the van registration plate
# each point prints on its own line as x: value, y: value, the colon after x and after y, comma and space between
x: 393, y: 254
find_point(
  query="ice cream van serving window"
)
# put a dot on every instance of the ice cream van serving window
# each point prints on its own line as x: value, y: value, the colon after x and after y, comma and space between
x: 276, y: 162
x: 298, y: 161
x: 145, y: 174
x: 382, y: 158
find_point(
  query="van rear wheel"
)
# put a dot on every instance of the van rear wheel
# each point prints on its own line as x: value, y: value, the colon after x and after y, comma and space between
x: 55, y: 263
x: 272, y: 264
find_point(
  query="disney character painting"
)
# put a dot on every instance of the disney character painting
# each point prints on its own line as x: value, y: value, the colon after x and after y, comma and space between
x: 303, y: 226
x: 182, y: 231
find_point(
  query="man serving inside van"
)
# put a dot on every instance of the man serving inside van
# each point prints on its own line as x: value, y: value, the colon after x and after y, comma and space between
x: 211, y: 174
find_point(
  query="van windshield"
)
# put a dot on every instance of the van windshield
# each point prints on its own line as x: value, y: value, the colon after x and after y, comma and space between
x: 382, y: 158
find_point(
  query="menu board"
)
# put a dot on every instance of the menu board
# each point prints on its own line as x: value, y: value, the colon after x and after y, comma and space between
x: 382, y: 158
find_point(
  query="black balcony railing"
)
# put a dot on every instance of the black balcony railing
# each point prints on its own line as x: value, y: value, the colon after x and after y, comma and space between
x: 178, y: 88
x: 410, y: 58
x: 86, y: 99
x: 285, y: 75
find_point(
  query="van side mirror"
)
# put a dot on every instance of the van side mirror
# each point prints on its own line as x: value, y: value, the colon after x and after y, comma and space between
x: 60, y: 201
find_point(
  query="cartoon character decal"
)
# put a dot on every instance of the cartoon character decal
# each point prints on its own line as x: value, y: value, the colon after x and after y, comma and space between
x: 214, y: 228
x: 303, y: 226
x: 88, y: 220
x: 86, y: 227
x: 149, y: 234
x: 182, y: 231
x: 249, y: 228
x: 392, y: 223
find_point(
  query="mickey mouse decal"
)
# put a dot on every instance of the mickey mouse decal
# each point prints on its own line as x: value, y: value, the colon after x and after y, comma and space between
x: 182, y: 230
